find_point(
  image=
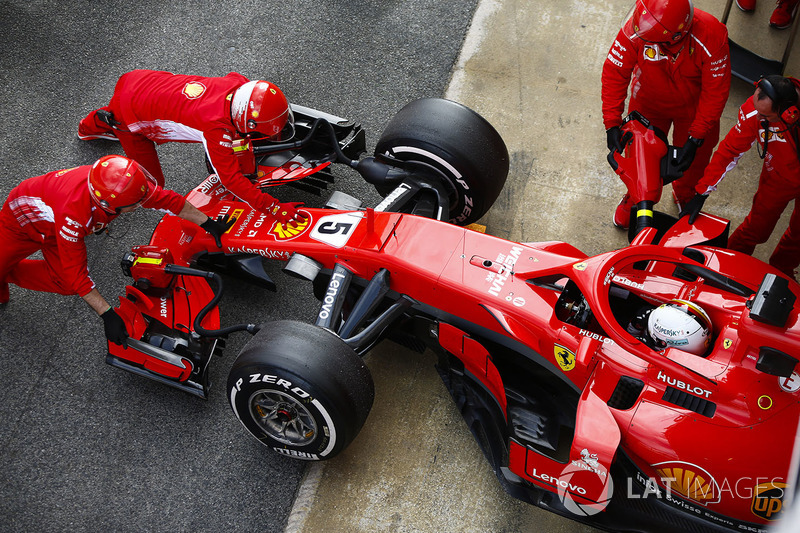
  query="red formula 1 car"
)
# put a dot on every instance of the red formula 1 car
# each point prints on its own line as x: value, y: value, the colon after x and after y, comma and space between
x: 578, y: 410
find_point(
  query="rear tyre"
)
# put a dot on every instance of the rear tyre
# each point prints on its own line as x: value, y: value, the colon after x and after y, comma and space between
x: 300, y: 390
x: 459, y: 143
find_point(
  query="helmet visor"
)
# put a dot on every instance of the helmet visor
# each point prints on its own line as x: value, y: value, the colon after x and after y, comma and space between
x: 150, y: 188
x: 150, y: 185
x: 266, y: 131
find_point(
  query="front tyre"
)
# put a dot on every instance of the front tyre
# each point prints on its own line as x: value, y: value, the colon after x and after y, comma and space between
x: 459, y: 143
x: 300, y: 390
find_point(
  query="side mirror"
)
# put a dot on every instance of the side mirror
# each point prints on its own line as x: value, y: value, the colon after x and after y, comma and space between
x: 775, y: 362
x: 773, y: 301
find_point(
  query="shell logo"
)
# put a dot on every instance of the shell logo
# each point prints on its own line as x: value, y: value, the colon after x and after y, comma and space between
x: 193, y: 89
x: 690, y: 481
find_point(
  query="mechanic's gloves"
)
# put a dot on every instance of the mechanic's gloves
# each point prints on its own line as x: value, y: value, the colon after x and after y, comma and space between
x: 216, y: 228
x: 115, y: 327
x: 614, y: 139
x: 287, y: 213
x: 685, y: 155
x: 693, y: 207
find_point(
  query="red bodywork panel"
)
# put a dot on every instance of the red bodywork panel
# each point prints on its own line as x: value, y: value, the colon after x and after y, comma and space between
x: 513, y: 290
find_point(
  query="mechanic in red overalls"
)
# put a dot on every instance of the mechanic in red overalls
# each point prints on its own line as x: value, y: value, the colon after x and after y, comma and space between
x: 769, y: 119
x: 151, y: 107
x: 56, y: 211
x: 675, y: 60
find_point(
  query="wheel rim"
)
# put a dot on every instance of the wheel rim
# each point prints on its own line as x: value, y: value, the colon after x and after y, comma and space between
x: 282, y: 417
x: 410, y: 153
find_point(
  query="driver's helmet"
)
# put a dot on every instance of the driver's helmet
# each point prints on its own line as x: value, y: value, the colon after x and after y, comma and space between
x: 116, y: 182
x: 680, y: 324
x: 260, y: 110
x: 659, y: 21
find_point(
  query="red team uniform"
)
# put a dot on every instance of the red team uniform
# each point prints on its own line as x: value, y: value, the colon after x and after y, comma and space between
x: 154, y: 107
x: 54, y: 213
x: 683, y: 85
x: 779, y: 184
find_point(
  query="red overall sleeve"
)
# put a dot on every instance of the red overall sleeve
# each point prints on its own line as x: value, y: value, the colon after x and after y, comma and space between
x: 165, y: 200
x: 220, y: 152
x: 617, y: 71
x: 738, y: 141
x: 715, y: 85
x: 72, y: 253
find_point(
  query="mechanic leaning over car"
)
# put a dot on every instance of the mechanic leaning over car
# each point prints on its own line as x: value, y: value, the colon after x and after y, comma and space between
x: 56, y: 211
x: 769, y: 119
x: 151, y: 107
x: 675, y: 60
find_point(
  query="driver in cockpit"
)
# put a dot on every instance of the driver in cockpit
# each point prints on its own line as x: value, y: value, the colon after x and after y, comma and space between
x: 676, y: 324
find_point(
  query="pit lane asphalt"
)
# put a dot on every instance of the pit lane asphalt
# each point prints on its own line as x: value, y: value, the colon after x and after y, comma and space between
x: 86, y: 447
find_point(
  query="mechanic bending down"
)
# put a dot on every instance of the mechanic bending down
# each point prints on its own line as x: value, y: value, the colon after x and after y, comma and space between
x: 769, y: 119
x: 151, y: 107
x: 676, y: 324
x: 56, y: 211
x: 675, y: 59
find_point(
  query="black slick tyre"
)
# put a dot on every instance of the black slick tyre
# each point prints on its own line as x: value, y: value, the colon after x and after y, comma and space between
x: 300, y: 390
x: 459, y: 143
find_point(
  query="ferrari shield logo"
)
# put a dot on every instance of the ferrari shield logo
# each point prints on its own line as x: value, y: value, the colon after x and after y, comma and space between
x: 564, y: 357
x: 727, y: 343
x: 768, y: 500
x: 579, y: 266
x: 193, y: 89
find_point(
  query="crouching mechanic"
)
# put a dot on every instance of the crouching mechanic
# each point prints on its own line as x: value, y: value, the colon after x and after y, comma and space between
x: 54, y: 212
x: 151, y: 107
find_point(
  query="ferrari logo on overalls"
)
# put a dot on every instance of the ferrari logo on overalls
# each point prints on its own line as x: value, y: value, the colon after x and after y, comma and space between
x: 564, y: 357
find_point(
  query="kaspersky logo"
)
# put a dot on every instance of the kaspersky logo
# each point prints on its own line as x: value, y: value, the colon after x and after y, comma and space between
x: 689, y: 480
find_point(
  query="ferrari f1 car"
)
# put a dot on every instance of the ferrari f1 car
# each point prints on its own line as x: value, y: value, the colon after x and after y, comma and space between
x: 575, y: 413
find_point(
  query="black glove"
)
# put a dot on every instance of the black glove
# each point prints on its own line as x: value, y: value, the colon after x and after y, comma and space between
x: 693, y: 207
x: 115, y: 327
x: 216, y: 228
x: 685, y: 155
x: 614, y: 139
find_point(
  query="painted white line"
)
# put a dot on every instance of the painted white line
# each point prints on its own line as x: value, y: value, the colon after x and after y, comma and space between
x: 304, y: 499
x: 472, y: 42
